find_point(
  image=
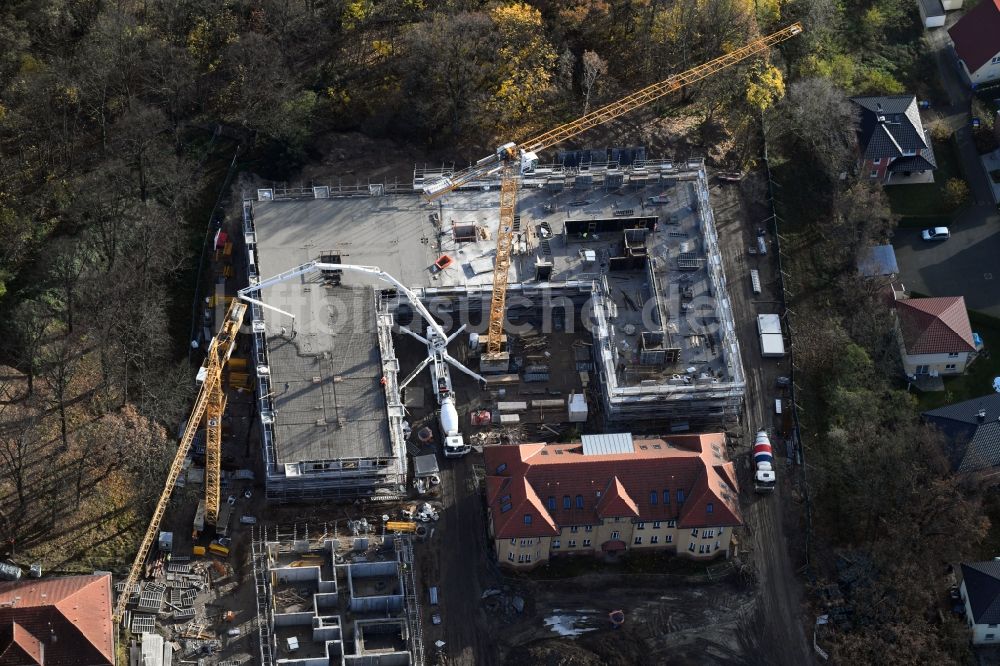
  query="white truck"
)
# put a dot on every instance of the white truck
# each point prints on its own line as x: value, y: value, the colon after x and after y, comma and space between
x: 772, y: 344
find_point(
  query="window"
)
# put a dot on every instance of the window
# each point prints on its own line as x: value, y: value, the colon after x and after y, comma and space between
x: 637, y: 542
x: 877, y: 160
x: 640, y: 526
x: 555, y: 543
x: 552, y: 503
x: 691, y: 547
x: 524, y: 542
x: 989, y: 637
x: 618, y: 519
x: 520, y: 558
x: 654, y: 539
x: 666, y: 497
x: 709, y: 508
x: 680, y: 497
x: 707, y: 534
x: 566, y: 501
x: 616, y: 535
x: 950, y: 366
x: 717, y: 545
x: 653, y: 497
x: 504, y: 508
x: 579, y: 501
x: 694, y: 532
x: 721, y: 530
x: 527, y: 557
x: 996, y: 60
x: 671, y: 524
x: 703, y: 549
x: 501, y: 467
x: 574, y: 529
x: 669, y: 538
x: 527, y: 519
x: 513, y: 542
x: 572, y: 543
x: 586, y: 542
x: 588, y: 528
x: 909, y: 152
x: 510, y: 556
x: 953, y: 355
x: 873, y: 174
x: 656, y: 524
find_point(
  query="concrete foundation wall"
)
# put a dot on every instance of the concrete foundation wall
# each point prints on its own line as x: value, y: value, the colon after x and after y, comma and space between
x: 293, y: 619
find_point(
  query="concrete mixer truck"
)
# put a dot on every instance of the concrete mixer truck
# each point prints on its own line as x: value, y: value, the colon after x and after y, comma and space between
x: 763, y: 458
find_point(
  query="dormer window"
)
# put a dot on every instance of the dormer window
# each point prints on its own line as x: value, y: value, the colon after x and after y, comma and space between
x: 909, y: 152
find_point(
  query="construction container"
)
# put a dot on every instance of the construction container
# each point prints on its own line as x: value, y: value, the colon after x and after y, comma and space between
x: 577, y: 408
x: 433, y: 594
x: 9, y: 571
x: 198, y: 550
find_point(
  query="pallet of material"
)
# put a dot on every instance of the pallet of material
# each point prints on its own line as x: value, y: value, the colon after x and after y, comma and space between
x: 503, y: 379
x: 537, y: 377
x: 548, y: 403
x: 512, y: 406
x: 509, y: 419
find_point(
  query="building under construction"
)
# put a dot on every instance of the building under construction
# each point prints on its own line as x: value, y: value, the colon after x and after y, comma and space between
x: 336, y: 600
x: 614, y: 250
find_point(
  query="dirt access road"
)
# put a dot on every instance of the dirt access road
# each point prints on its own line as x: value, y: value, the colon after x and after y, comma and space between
x: 780, y: 638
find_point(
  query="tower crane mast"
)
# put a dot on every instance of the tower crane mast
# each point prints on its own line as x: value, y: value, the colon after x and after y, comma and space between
x: 514, y: 159
x: 209, y: 405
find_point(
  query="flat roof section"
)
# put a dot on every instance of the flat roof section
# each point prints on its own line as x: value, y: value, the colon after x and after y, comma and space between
x: 328, y: 399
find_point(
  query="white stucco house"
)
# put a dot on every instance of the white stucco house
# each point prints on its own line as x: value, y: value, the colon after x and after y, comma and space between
x: 980, y: 592
x: 935, y: 336
x: 976, y: 37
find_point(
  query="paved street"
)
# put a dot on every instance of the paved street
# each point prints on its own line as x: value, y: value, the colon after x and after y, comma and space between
x: 967, y: 264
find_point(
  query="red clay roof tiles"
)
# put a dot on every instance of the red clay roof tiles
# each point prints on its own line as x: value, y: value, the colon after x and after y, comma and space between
x: 70, y: 616
x: 977, y: 34
x: 935, y: 325
x: 560, y: 486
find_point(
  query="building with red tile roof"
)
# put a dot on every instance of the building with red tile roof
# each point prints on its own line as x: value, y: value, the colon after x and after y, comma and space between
x: 935, y: 335
x: 976, y: 37
x: 678, y: 493
x: 57, y: 622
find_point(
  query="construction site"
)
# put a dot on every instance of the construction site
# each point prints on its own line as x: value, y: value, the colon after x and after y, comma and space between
x: 617, y: 310
x: 390, y: 334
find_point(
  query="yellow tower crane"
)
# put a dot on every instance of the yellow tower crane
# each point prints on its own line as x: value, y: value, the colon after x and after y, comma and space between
x: 513, y: 159
x: 209, y: 406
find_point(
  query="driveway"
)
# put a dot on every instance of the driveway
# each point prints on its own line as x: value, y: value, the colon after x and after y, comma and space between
x: 967, y: 264
x: 957, y: 115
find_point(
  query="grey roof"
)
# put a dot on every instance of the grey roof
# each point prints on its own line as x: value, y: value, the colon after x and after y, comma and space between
x: 982, y: 585
x: 889, y: 126
x: 607, y: 444
x: 878, y: 260
x: 425, y: 465
x: 973, y: 441
x: 932, y: 8
x: 328, y: 399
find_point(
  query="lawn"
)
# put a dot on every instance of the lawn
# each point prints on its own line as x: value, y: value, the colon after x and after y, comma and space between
x: 979, y: 378
x: 925, y: 205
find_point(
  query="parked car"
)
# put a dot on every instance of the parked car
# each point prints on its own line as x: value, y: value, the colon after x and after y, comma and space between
x: 937, y: 233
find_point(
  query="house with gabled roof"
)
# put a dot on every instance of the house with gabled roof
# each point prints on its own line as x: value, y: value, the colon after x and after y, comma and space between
x: 935, y: 336
x: 971, y: 430
x: 610, y: 493
x: 980, y: 593
x: 976, y: 37
x: 64, y: 621
x: 894, y: 147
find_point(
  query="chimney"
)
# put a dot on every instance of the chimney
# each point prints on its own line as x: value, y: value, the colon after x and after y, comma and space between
x: 981, y: 415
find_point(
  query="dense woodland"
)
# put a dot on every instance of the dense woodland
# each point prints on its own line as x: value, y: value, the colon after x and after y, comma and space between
x: 114, y: 117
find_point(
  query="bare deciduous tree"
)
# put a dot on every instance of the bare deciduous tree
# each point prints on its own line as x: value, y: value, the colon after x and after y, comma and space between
x: 594, y: 68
